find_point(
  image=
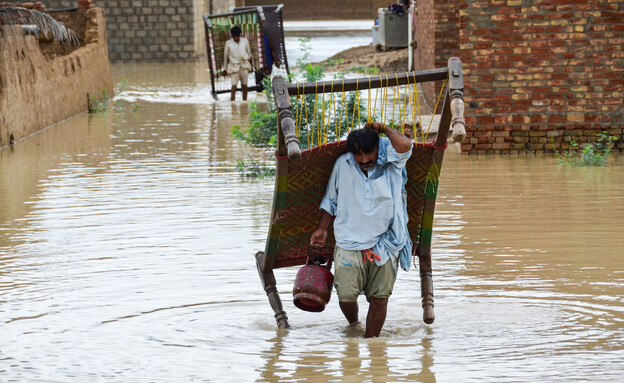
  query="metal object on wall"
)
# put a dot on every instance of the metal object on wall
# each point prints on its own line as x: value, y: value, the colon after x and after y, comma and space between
x: 393, y: 29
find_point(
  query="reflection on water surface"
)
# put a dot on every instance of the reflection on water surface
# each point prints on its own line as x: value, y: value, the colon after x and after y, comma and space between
x: 127, y: 242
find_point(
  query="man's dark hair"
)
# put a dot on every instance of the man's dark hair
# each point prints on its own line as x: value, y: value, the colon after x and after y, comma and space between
x: 235, y: 31
x: 365, y: 140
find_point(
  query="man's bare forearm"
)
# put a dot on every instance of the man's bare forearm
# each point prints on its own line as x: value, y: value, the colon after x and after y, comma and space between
x: 326, y: 219
x: 400, y: 142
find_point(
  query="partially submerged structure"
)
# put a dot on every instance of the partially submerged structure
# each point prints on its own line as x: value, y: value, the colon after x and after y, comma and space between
x: 45, y: 80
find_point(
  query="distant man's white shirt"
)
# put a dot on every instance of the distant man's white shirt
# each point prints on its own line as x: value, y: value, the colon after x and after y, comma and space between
x: 237, y: 55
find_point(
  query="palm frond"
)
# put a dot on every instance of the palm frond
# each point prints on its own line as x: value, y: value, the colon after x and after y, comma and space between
x: 48, y: 26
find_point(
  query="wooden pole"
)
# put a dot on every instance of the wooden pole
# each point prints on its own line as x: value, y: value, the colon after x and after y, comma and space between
x: 281, y: 34
x: 452, y: 113
x: 453, y: 108
x: 207, y: 27
x: 371, y: 82
x: 285, y: 121
x: 270, y: 287
x: 456, y: 94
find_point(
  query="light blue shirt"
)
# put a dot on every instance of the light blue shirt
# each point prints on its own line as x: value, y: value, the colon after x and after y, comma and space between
x: 371, y: 212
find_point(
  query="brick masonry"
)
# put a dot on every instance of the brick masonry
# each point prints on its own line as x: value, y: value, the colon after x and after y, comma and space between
x: 154, y: 30
x: 172, y: 30
x: 425, y: 52
x: 538, y: 74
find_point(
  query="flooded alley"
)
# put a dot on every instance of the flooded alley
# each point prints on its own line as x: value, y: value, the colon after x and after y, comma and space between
x: 127, y: 242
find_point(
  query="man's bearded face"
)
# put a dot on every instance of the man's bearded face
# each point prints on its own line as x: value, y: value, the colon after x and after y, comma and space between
x: 366, y: 160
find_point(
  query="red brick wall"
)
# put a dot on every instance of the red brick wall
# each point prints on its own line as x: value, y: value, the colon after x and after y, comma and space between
x: 537, y: 74
x: 447, y: 30
x: 424, y: 54
x: 437, y: 33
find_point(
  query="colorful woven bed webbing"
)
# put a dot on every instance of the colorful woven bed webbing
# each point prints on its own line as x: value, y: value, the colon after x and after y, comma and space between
x: 279, y: 203
x: 300, y: 186
x: 219, y: 34
x: 431, y: 192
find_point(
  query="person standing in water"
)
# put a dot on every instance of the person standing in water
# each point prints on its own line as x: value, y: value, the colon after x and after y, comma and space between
x: 237, y: 61
x: 365, y: 201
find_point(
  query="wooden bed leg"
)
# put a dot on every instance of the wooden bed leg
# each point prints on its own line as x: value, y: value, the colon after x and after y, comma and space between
x: 426, y: 292
x: 426, y: 288
x: 270, y: 287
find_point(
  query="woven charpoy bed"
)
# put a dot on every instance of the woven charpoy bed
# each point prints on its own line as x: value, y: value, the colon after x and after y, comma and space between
x: 260, y: 25
x: 301, y: 179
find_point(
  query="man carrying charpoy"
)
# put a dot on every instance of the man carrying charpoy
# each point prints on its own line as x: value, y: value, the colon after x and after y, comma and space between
x: 237, y: 61
x: 366, y: 200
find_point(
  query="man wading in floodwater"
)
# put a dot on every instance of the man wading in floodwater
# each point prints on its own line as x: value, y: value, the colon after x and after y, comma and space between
x: 237, y: 61
x: 366, y: 196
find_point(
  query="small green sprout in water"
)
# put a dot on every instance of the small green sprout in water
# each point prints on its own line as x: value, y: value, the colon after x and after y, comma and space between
x: 595, y: 154
x: 122, y: 85
x: 98, y: 104
x: 254, y: 169
x: 101, y: 103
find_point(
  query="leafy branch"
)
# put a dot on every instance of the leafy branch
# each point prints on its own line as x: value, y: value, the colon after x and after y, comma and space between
x: 595, y: 154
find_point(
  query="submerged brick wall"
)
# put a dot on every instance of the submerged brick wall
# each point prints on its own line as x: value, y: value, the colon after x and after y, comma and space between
x: 155, y: 30
x: 537, y: 74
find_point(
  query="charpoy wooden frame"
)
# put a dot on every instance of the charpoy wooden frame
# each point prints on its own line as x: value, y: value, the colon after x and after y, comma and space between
x: 270, y: 23
x: 452, y: 119
x: 273, y: 28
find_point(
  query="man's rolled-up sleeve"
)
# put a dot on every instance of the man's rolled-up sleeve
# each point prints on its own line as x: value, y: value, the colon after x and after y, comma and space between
x: 388, y: 154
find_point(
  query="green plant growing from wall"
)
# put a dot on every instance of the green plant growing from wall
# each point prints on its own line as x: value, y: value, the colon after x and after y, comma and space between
x: 98, y: 104
x: 595, y: 154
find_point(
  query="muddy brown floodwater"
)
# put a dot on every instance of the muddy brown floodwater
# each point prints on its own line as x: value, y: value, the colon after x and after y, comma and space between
x: 126, y: 255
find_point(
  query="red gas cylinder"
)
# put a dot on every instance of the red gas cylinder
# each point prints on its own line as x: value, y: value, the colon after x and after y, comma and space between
x: 313, y: 284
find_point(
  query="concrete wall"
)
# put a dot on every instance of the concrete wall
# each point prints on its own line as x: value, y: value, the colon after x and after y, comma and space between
x: 171, y: 30
x: 326, y: 9
x: 537, y: 74
x: 155, y: 30
x: 42, y: 83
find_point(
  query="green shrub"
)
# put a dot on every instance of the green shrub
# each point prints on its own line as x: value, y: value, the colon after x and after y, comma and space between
x: 595, y: 154
x: 309, y: 113
x: 101, y: 103
x: 98, y: 104
x: 262, y: 129
x: 254, y: 169
x: 364, y: 70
